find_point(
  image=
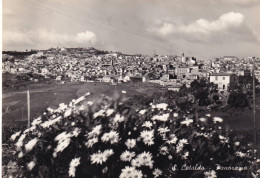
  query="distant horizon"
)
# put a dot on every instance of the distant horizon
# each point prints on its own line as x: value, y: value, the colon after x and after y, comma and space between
x: 131, y: 53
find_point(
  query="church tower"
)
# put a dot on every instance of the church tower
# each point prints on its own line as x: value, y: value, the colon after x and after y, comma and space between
x: 183, y: 58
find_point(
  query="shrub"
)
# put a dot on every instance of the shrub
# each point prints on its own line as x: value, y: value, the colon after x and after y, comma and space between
x: 107, y: 138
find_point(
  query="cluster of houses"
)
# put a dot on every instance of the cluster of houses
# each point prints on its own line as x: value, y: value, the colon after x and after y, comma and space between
x: 89, y: 65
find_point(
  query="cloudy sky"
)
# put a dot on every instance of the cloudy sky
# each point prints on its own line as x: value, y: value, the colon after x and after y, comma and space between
x: 200, y: 28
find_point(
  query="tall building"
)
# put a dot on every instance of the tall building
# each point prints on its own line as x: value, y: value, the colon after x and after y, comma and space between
x: 183, y: 58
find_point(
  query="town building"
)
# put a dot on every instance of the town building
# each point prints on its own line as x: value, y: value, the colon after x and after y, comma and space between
x: 257, y: 74
x: 223, y: 80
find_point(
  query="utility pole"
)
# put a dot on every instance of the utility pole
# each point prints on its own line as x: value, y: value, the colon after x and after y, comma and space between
x: 254, y: 105
x: 28, y: 107
x: 22, y: 113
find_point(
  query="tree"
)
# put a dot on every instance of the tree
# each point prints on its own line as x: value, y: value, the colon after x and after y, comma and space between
x: 245, y: 85
x: 201, y: 90
x: 238, y: 99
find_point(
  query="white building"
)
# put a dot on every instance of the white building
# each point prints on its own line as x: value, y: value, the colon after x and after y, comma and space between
x: 257, y: 74
x: 223, y: 80
x: 82, y: 79
x: 44, y: 71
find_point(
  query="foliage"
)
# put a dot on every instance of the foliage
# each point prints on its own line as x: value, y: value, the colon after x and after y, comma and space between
x: 20, y: 80
x: 244, y: 85
x: 238, y: 99
x: 139, y: 100
x: 19, y: 55
x: 201, y: 95
x: 201, y: 90
x: 107, y: 138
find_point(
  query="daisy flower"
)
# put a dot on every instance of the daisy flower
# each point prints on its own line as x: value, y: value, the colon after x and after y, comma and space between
x: 68, y: 113
x: 73, y: 165
x: 237, y: 143
x: 62, y: 107
x: 162, y: 118
x: 146, y: 159
x: 118, y: 118
x: 91, y: 142
x: 32, y: 128
x: 109, y: 112
x: 105, y: 137
x: 29, y: 146
x: 210, y: 174
x: 157, y: 172
x: 147, y: 134
x: 15, y: 135
x: 137, y: 174
x: 112, y: 137
x: 175, y: 115
x: 95, y: 131
x: 20, y: 155
x: 98, y: 158
x: 147, y: 124
x: 187, y: 122
x: 105, y: 170
x: 130, y: 143
x: 89, y: 103
x: 148, y: 141
x: 240, y: 154
x: 99, y: 113
x: 130, y: 172
x: 62, y: 144
x: 181, y: 145
x: 206, y: 135
x: 79, y: 99
x: 183, y: 141
x: 75, y: 132
x: 148, y: 137
x: 172, y: 139
x: 62, y: 136
x: 142, y: 112
x: 50, y: 110
x: 221, y: 137
x: 186, y: 154
x: 30, y: 165
x: 19, y: 143
x: 37, y: 121
x: 127, y: 156
x: 202, y: 119
x: 136, y: 162
x: 208, y: 115
x: 163, y: 150
x: 48, y: 123
x: 217, y: 119
x: 161, y: 106
x: 108, y: 152
x: 81, y: 107
x: 63, y: 141
x: 163, y: 130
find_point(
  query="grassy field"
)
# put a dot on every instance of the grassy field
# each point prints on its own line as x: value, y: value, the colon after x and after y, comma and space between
x: 43, y: 96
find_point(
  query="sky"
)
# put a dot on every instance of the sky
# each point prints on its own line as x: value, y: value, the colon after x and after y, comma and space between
x: 204, y: 29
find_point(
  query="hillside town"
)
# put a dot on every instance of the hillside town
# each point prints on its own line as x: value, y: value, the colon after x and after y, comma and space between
x: 92, y: 65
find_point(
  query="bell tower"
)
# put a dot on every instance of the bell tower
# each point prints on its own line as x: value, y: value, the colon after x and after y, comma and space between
x: 183, y: 58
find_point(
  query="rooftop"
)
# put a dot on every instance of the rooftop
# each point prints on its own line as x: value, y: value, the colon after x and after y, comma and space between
x: 220, y: 74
